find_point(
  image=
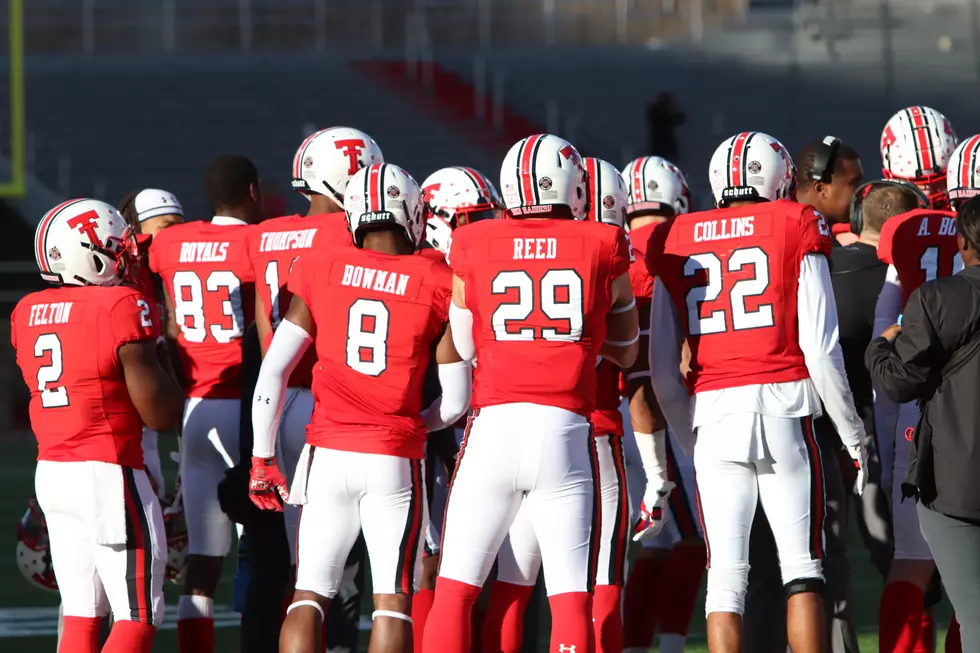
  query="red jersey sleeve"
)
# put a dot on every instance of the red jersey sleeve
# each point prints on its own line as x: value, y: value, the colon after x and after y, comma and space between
x: 130, y: 319
x: 442, y: 294
x: 298, y: 284
x: 456, y: 255
x: 622, y: 255
x: 656, y: 244
x: 814, y: 233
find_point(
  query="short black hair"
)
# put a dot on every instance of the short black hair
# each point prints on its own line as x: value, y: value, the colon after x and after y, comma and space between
x: 229, y: 179
x: 808, y: 155
x: 968, y: 222
x: 127, y: 207
x: 886, y: 201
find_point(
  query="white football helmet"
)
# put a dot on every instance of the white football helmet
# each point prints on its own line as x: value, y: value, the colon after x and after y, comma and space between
x: 656, y: 185
x: 607, y: 192
x: 383, y: 195
x: 84, y: 242
x: 460, y: 196
x: 438, y: 234
x: 34, y: 549
x: 963, y: 172
x: 916, y: 145
x: 750, y: 166
x: 543, y: 174
x: 327, y: 160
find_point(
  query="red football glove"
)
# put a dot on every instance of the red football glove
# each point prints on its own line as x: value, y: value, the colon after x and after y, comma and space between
x: 265, y: 482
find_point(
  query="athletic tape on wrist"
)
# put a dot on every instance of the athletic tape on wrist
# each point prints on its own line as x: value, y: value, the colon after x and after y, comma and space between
x: 389, y: 613
x: 312, y: 604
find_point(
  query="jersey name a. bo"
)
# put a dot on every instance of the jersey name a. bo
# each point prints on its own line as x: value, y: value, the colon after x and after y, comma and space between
x: 922, y: 246
x: 733, y: 275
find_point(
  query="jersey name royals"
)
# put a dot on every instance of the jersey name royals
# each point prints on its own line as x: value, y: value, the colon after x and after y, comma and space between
x: 376, y: 317
x: 67, y: 341
x: 206, y: 271
x: 922, y: 245
x: 733, y: 275
x: 539, y: 291
x: 273, y: 247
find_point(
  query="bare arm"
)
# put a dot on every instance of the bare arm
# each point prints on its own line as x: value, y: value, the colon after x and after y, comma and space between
x: 154, y: 393
x: 645, y: 413
x: 262, y: 323
x: 622, y: 325
x: 171, y: 334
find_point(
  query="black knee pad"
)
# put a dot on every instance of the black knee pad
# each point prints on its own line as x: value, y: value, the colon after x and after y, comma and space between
x: 804, y: 585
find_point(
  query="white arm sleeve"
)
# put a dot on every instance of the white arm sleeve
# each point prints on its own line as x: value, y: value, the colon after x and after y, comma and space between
x: 456, y: 380
x: 665, y: 367
x: 285, y: 351
x: 819, y: 340
x: 461, y: 321
x: 887, y: 310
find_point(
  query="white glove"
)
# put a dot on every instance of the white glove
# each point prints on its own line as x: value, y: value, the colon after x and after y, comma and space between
x: 653, y: 510
x: 860, y: 456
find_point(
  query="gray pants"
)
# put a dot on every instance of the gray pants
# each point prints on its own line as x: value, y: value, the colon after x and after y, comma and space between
x: 955, y: 546
x: 765, y: 600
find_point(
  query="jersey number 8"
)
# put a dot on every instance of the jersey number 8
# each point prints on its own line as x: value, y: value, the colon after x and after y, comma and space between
x: 742, y: 319
x: 367, y: 337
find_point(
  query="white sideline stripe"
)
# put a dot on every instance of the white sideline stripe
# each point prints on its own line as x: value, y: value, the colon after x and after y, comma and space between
x: 43, y: 622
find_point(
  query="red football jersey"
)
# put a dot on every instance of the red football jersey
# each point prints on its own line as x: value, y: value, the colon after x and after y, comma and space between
x: 273, y: 247
x: 206, y: 271
x: 921, y: 244
x: 67, y: 341
x: 539, y: 291
x: 433, y: 253
x: 734, y: 277
x: 376, y: 316
x: 606, y: 418
x: 642, y: 282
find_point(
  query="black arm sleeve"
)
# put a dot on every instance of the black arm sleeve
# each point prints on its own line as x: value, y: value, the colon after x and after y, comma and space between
x: 904, y: 369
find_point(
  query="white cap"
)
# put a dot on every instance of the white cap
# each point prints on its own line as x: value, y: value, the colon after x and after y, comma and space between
x: 153, y: 202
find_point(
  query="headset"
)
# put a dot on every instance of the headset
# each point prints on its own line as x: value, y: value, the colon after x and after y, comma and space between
x: 857, y: 215
x: 825, y: 159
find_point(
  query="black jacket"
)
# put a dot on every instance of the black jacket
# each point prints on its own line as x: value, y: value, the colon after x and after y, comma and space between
x: 936, y: 360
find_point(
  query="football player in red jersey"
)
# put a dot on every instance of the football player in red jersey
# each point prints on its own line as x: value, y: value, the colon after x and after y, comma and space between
x: 322, y: 167
x: 748, y: 286
x: 918, y: 245
x: 666, y: 575
x: 916, y: 145
x: 519, y: 558
x: 362, y: 468
x: 532, y: 298
x: 208, y: 283
x: 87, y: 350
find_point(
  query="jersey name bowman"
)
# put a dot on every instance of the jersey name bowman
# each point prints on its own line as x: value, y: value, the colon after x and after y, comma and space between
x: 206, y: 271
x: 733, y: 275
x: 67, y: 341
x: 922, y: 245
x: 539, y: 291
x: 273, y: 247
x: 377, y: 316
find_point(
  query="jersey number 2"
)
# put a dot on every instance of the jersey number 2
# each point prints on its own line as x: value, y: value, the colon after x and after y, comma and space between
x: 742, y: 319
x: 367, y: 337
x: 51, y: 396
x: 567, y: 308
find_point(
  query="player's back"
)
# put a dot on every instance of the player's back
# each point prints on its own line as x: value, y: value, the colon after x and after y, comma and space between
x: 273, y: 247
x: 922, y: 246
x: 207, y: 273
x: 67, y: 341
x: 539, y: 291
x: 733, y: 275
x: 377, y: 316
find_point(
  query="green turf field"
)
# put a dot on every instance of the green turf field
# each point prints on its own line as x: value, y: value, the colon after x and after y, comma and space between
x: 28, y: 616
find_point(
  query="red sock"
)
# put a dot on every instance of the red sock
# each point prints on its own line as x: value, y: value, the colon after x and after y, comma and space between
x: 899, y: 618
x: 421, y: 604
x: 130, y: 637
x: 503, y: 626
x: 953, y: 643
x: 195, y: 635
x: 571, y: 622
x: 80, y: 635
x: 607, y: 620
x: 640, y: 602
x: 679, y: 587
x: 449, y: 627
x: 926, y: 643
x: 477, y: 618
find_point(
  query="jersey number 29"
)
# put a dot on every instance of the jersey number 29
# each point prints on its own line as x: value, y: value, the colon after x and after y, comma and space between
x: 742, y: 319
